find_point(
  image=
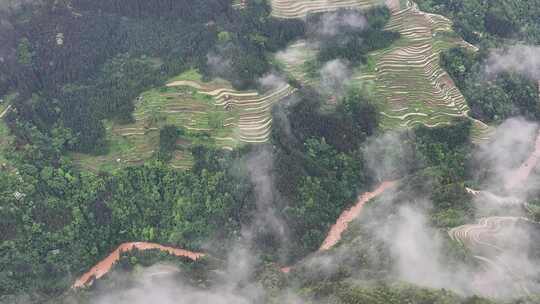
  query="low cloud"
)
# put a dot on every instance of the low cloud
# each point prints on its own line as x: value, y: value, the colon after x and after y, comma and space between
x: 295, y: 55
x: 218, y: 64
x: 389, y: 156
x: 13, y: 4
x: 501, y: 262
x: 522, y: 59
x: 267, y: 223
x: 508, y: 148
x: 272, y: 81
x: 417, y: 250
x: 332, y: 24
x: 335, y: 76
x: 172, y: 290
x: 236, y: 282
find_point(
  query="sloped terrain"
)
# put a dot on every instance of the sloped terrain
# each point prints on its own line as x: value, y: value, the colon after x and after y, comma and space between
x: 5, y: 107
x: 410, y: 85
x: 252, y: 110
x: 333, y: 237
x: 295, y: 60
x: 211, y: 113
x: 501, y: 242
x: 300, y: 9
x: 409, y: 78
x: 491, y: 241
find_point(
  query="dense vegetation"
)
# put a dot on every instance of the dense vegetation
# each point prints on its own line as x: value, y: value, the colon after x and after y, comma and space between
x: 351, y: 41
x: 490, y: 25
x: 72, y: 66
x: 319, y: 163
x: 491, y: 98
x: 65, y: 221
x: 478, y: 20
x: 58, y: 220
x: 168, y: 136
x: 445, y: 156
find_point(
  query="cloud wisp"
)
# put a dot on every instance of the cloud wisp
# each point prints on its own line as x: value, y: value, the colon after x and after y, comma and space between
x: 335, y: 76
x: 521, y: 59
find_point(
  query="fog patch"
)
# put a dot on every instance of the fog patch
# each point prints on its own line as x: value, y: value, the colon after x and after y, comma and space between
x: 521, y: 59
x: 14, y: 4
x: 390, y: 155
x: 510, y: 146
x: 417, y: 250
x: 271, y: 81
x: 335, y: 76
x: 295, y: 55
x: 332, y: 24
x: 267, y: 224
x: 236, y: 282
x: 501, y: 265
x: 218, y: 64
x: 175, y: 291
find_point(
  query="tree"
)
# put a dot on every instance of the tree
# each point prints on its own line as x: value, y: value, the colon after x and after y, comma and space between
x: 168, y: 135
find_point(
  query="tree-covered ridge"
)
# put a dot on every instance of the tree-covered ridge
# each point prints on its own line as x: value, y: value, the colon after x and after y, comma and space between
x: 55, y: 57
x: 495, y: 86
x: 57, y: 220
x: 479, y: 20
x: 491, y: 97
x: 210, y: 113
x: 64, y: 212
x: 73, y: 219
x: 352, y: 41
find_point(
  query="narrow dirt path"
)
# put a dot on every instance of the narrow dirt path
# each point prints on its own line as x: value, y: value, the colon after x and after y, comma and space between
x: 106, y: 264
x: 519, y: 177
x: 334, y: 235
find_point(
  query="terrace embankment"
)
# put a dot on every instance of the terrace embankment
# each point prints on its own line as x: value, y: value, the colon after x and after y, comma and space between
x: 410, y: 85
x: 254, y: 109
x: 301, y: 8
x: 408, y: 76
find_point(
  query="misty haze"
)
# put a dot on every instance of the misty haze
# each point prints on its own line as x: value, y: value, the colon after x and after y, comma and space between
x: 269, y: 151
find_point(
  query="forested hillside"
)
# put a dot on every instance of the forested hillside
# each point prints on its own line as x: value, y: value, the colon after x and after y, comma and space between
x: 512, y: 28
x: 134, y: 133
x: 478, y: 20
x: 72, y: 66
x: 75, y: 65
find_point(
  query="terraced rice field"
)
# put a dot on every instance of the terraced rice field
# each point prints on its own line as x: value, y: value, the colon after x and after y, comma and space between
x: 239, y: 4
x: 410, y: 85
x: 211, y: 113
x: 498, y: 241
x: 252, y: 119
x: 301, y: 8
x: 491, y: 243
x: 4, y: 132
x: 415, y: 89
x: 483, y: 235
